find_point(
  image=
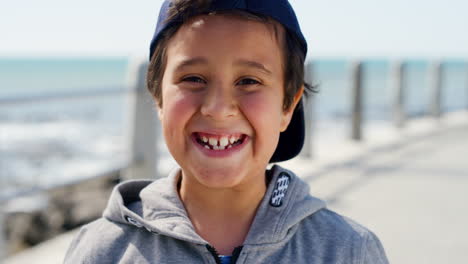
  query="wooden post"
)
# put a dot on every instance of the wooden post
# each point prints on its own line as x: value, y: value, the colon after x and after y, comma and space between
x: 435, y: 82
x: 142, y: 125
x: 309, y: 114
x: 398, y: 81
x: 357, y: 103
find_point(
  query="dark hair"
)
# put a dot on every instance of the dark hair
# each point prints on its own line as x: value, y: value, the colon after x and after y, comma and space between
x: 293, y: 54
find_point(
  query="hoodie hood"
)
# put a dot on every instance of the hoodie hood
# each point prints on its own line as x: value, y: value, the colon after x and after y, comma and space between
x: 156, y: 207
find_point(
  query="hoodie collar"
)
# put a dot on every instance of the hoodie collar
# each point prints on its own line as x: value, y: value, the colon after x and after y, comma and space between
x: 285, y: 204
x: 156, y: 207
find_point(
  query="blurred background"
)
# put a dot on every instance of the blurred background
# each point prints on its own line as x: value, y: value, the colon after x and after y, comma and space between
x: 393, y: 81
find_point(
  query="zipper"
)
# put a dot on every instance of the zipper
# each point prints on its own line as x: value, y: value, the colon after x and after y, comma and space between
x: 235, y: 254
x: 214, y: 253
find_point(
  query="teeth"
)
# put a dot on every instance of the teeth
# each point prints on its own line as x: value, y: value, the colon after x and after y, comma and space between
x: 223, y: 142
x: 213, y: 141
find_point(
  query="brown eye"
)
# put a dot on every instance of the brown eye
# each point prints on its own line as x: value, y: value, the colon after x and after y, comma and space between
x: 193, y: 79
x: 248, y: 81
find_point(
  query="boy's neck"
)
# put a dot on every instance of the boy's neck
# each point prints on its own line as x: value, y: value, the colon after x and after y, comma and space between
x: 223, y: 216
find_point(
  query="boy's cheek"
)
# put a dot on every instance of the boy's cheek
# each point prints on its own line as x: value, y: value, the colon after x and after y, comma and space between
x: 261, y: 112
x: 177, y: 106
x: 262, y: 104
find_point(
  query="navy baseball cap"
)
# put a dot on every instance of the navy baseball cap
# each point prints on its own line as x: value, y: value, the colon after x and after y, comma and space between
x: 292, y: 139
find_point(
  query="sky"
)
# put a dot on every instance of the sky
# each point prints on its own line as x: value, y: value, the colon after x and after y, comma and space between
x: 333, y: 28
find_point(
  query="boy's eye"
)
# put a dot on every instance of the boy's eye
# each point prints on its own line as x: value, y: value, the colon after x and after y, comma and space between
x: 193, y: 79
x: 248, y: 81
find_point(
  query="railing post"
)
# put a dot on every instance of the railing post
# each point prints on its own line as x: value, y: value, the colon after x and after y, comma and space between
x: 357, y: 100
x: 466, y: 83
x: 3, y: 250
x: 142, y: 125
x: 309, y: 114
x: 3, y: 244
x: 435, y: 82
x: 398, y: 81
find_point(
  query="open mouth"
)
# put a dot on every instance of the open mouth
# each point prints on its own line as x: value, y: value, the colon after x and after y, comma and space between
x: 218, y: 142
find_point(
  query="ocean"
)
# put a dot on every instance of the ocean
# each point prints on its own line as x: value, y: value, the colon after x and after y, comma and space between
x: 48, y: 142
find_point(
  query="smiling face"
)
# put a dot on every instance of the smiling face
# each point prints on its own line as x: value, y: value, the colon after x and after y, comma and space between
x: 222, y: 100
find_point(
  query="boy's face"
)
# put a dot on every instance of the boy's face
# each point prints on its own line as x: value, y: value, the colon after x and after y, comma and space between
x: 222, y: 100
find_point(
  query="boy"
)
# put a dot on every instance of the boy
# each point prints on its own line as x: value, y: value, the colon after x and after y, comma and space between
x: 227, y: 77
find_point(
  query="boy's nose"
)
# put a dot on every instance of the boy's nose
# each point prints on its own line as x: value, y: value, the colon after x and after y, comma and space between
x: 219, y: 105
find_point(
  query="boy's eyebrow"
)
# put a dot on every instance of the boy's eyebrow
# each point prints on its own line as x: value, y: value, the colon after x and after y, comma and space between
x: 253, y: 64
x: 190, y: 62
x: 240, y: 62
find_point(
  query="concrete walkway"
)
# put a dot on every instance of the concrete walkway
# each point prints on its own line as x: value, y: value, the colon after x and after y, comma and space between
x: 412, y: 193
x: 413, y: 196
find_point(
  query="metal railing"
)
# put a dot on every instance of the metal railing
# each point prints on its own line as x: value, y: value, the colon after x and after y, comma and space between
x: 398, y: 75
x: 35, y: 98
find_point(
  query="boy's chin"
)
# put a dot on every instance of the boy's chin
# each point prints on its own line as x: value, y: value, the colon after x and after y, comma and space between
x: 222, y: 177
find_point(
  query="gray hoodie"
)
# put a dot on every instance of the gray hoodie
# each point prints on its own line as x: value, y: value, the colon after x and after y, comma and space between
x: 146, y: 222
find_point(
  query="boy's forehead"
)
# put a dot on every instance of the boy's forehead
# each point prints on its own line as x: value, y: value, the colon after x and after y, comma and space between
x: 201, y: 35
x: 197, y: 22
x: 234, y: 23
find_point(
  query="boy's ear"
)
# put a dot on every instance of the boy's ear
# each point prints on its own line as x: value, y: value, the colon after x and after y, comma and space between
x: 160, y: 112
x: 158, y: 106
x: 287, y: 114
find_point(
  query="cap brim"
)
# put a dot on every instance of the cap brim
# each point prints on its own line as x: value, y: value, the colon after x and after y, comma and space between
x: 291, y: 140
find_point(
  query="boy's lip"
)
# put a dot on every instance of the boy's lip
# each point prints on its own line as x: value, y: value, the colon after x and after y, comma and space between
x: 218, y: 134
